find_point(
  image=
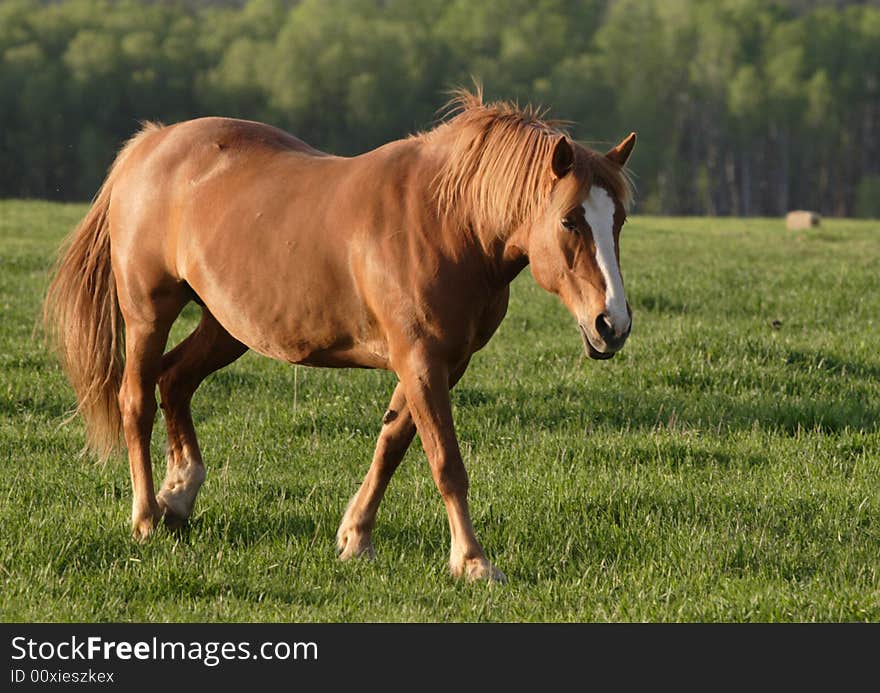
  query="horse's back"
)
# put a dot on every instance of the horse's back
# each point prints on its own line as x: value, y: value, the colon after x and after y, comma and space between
x: 177, y: 179
x: 242, y: 136
x: 178, y: 158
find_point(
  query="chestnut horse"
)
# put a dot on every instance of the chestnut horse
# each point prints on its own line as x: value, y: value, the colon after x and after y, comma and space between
x: 400, y: 258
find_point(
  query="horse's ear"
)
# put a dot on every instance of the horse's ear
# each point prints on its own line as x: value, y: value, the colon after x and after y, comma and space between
x: 621, y: 152
x: 563, y: 157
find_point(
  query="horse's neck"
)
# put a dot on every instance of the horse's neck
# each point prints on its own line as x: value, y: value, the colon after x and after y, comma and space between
x: 512, y: 261
x: 503, y: 257
x: 503, y: 252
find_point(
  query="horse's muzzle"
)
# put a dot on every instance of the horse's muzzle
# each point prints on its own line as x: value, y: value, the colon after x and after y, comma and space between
x: 602, y: 347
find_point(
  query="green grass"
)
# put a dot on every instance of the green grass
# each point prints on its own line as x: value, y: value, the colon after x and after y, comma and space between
x: 719, y: 468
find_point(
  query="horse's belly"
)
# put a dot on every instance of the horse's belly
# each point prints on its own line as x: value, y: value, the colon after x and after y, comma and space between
x: 292, y: 318
x: 301, y: 335
x: 285, y: 294
x: 360, y: 356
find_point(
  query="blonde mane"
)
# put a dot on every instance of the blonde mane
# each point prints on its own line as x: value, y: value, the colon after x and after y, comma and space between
x: 497, y: 171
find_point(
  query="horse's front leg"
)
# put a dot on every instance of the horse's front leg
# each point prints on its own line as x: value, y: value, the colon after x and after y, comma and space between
x: 398, y: 430
x: 426, y: 384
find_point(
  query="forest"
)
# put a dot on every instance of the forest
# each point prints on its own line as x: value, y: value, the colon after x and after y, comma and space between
x: 742, y: 107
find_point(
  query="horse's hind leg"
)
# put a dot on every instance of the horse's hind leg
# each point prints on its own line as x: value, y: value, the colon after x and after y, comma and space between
x: 398, y: 429
x: 209, y: 348
x: 146, y: 331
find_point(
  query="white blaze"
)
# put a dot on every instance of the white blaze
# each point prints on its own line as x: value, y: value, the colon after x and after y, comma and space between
x: 599, y: 213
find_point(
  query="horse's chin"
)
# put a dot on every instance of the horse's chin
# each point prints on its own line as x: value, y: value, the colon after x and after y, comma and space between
x: 598, y: 355
x: 592, y: 351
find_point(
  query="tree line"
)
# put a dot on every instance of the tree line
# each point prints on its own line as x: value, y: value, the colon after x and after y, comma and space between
x: 743, y: 107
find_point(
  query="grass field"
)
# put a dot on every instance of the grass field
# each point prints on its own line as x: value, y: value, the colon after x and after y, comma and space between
x: 720, y: 468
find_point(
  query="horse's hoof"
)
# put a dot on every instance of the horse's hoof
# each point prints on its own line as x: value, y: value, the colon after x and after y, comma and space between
x: 177, y: 496
x: 142, y: 527
x: 353, y: 544
x: 173, y: 515
x: 171, y: 518
x: 474, y: 569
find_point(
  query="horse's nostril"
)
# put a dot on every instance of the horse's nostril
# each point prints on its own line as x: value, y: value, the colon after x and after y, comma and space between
x: 604, y: 327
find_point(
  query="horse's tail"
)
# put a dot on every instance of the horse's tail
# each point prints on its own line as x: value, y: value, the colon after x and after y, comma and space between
x: 83, y: 323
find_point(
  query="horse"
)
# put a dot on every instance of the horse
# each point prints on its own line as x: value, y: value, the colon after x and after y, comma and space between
x: 399, y: 258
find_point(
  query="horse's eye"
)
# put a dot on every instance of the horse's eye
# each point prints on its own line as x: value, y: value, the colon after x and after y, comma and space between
x: 569, y: 224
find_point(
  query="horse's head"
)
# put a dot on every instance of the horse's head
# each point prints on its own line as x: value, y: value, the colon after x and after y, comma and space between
x: 574, y: 251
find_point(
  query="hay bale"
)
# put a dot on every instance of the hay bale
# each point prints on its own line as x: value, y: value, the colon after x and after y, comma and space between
x: 800, y: 219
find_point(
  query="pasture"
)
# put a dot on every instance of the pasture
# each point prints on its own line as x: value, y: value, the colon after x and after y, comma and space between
x: 725, y: 466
